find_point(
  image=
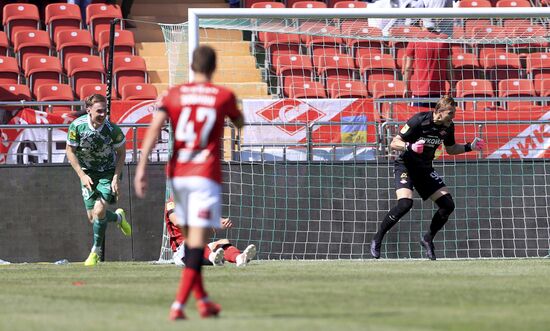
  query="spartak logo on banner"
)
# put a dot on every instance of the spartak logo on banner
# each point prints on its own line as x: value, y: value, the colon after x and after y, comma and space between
x: 290, y: 111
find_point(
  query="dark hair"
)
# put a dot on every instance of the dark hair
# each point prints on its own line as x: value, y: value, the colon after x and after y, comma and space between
x: 446, y: 101
x: 94, y: 98
x: 204, y: 60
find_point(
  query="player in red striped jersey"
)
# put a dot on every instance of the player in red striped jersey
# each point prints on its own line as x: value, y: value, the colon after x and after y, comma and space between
x: 197, y: 111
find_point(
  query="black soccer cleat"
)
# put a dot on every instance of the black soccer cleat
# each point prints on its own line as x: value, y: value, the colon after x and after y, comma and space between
x: 430, y: 249
x: 375, y: 249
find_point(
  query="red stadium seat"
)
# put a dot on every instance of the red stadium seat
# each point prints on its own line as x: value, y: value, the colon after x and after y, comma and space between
x: 83, y: 69
x: 62, y: 16
x: 477, y: 88
x: 31, y: 43
x: 465, y: 66
x: 99, y: 17
x: 14, y: 92
x: 42, y: 70
x: 308, y: 4
x: 545, y: 87
x: 307, y: 89
x: 56, y: 92
x: 350, y: 4
x: 361, y: 30
x: 276, y: 44
x: 88, y: 89
x: 333, y: 65
x: 388, y: 89
x: 513, y: 3
x: 403, y: 32
x: 342, y: 88
x: 133, y: 91
x: 376, y: 67
x: 72, y: 42
x: 539, y: 83
x: 291, y: 67
x: 4, y: 44
x: 128, y: 69
x: 9, y: 70
x: 124, y: 44
x: 499, y: 65
x: 538, y: 63
x: 474, y: 3
x: 267, y: 4
x: 19, y: 17
x: 526, y: 31
x: 516, y: 88
x: 318, y: 36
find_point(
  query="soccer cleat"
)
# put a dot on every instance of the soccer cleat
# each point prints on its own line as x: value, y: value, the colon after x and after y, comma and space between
x: 248, y: 254
x: 208, y: 309
x: 124, y: 226
x: 429, y: 246
x: 92, y: 259
x: 177, y: 314
x: 216, y: 257
x: 375, y: 249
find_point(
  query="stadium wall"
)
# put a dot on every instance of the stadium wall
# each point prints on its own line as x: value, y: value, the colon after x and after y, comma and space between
x: 304, y: 210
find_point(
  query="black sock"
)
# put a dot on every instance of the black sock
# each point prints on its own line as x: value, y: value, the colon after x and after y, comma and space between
x: 194, y: 259
x: 392, y: 217
x: 446, y: 206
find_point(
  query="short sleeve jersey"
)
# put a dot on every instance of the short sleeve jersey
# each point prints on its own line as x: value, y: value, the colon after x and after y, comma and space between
x: 174, y: 232
x: 430, y: 61
x: 197, y: 113
x: 95, y: 148
x: 422, y: 127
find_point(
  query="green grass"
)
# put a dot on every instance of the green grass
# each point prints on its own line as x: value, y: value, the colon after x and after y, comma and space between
x: 284, y: 295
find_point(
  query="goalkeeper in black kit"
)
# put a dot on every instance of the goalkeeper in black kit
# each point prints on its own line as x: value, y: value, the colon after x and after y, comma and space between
x: 418, y: 140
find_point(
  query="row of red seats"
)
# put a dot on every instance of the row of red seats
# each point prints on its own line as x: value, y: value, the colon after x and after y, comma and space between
x: 478, y: 88
x: 360, y: 4
x: 64, y: 92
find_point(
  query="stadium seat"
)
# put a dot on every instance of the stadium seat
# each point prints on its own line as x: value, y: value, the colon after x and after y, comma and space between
x: 537, y: 63
x: 465, y: 66
x: 31, y: 43
x: 316, y: 36
x: 71, y: 42
x: 99, y: 17
x: 499, y: 65
x: 19, y: 17
x: 478, y: 88
x: 404, y: 33
x: 133, y: 91
x: 124, y: 44
x: 513, y: 3
x: 9, y: 70
x: 42, y: 70
x: 83, y: 69
x: 4, y: 44
x: 540, y: 84
x: 388, y: 89
x: 361, y: 30
x: 128, y: 69
x: 55, y: 92
x: 293, y: 66
x: 545, y: 88
x: 349, y: 4
x: 308, y: 4
x: 333, y: 65
x: 307, y: 89
x: 527, y: 31
x: 62, y: 16
x: 342, y: 88
x: 89, y: 89
x: 516, y: 88
x: 276, y: 44
x: 493, y: 33
x: 267, y: 4
x: 470, y: 24
x: 474, y: 3
x: 376, y: 67
x: 14, y: 92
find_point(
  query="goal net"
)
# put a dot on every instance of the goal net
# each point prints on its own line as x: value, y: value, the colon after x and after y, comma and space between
x: 324, y: 91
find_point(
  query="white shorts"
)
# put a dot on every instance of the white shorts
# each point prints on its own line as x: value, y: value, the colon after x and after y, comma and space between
x: 198, y: 201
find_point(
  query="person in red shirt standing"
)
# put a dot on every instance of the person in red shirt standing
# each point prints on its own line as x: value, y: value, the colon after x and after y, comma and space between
x: 426, y: 67
x: 197, y: 111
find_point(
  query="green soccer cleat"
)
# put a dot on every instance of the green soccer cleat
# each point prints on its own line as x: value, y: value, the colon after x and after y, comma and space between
x: 92, y: 260
x: 124, y: 226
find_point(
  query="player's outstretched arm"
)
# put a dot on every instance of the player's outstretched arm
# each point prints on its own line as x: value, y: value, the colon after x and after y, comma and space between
x: 151, y: 136
x: 476, y: 145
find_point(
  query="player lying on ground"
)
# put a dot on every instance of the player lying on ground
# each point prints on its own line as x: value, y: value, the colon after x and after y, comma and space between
x: 215, y: 253
x: 417, y: 141
x: 96, y: 149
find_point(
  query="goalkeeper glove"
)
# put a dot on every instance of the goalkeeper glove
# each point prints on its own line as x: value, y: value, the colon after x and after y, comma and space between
x: 417, y: 147
x: 477, y: 144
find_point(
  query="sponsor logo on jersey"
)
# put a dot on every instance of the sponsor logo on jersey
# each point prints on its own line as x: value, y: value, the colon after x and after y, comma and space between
x: 404, y: 129
x: 404, y: 177
x: 72, y: 135
x: 290, y: 111
x: 432, y: 141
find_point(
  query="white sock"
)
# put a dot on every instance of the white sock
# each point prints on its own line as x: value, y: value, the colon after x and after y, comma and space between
x: 96, y: 250
x: 177, y: 306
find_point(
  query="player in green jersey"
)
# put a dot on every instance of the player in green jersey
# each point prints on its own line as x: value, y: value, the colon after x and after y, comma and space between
x: 96, y: 149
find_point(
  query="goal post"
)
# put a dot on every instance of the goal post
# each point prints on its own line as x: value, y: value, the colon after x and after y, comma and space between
x: 311, y: 177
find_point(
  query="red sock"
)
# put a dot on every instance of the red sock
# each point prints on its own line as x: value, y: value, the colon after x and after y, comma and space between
x: 187, y: 283
x: 230, y: 254
x: 200, y: 293
x: 207, y: 252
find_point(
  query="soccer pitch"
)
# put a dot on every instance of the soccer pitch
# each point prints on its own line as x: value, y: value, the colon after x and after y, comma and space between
x: 284, y: 295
